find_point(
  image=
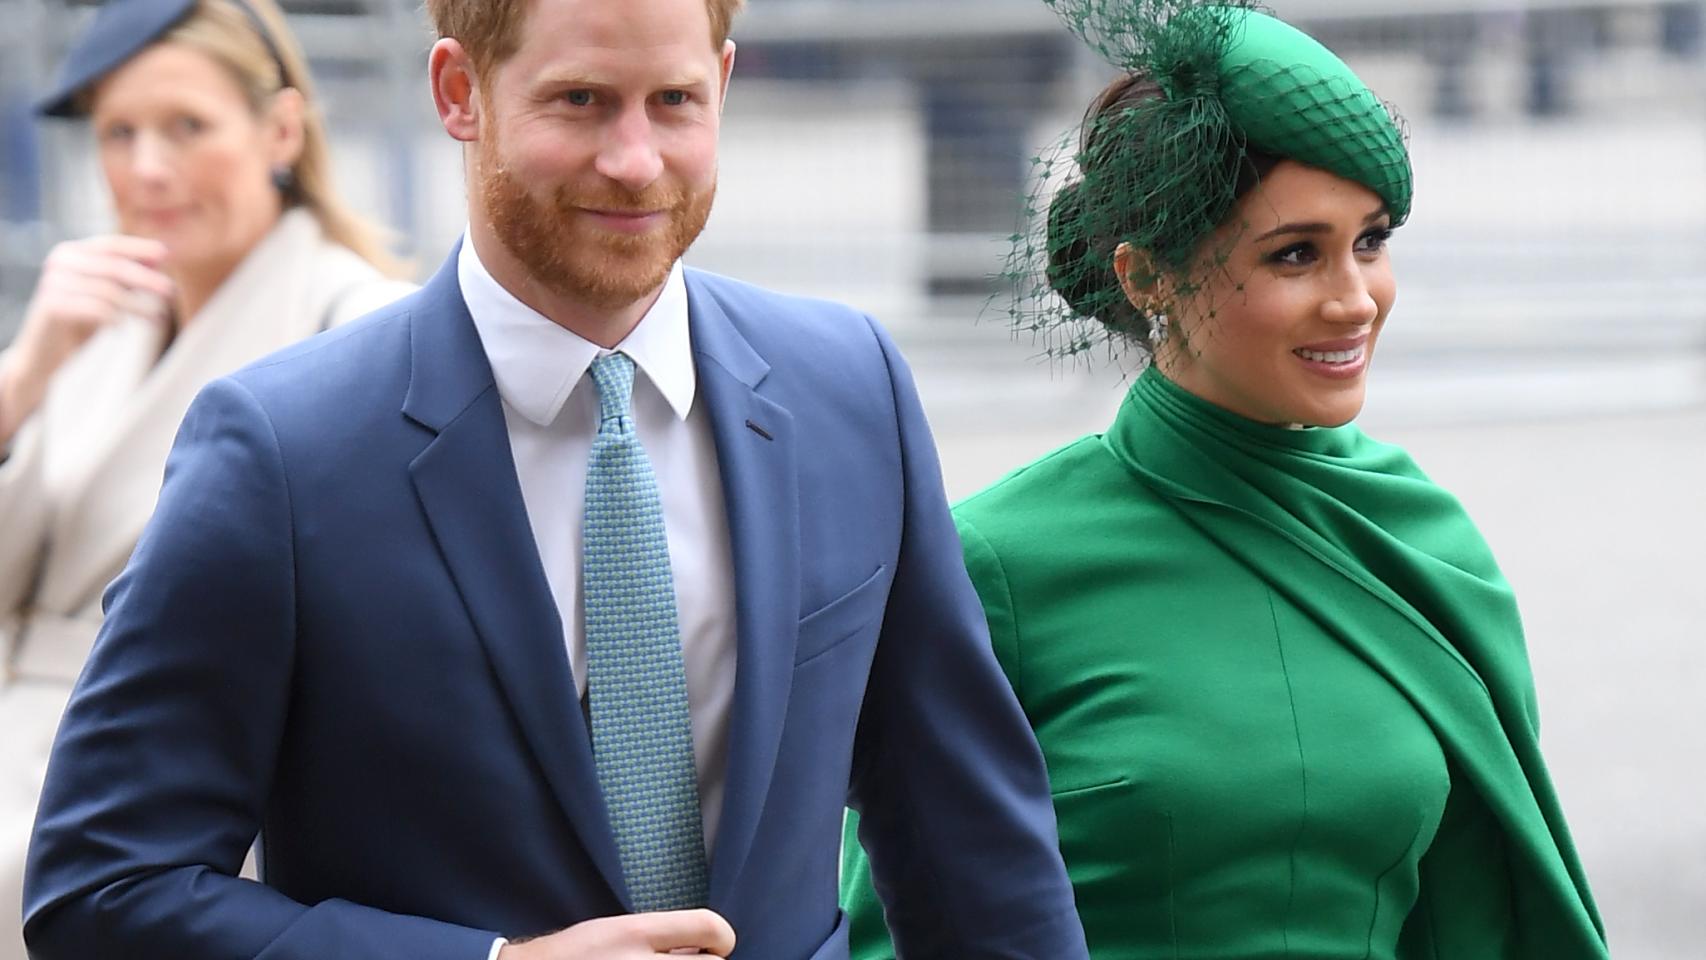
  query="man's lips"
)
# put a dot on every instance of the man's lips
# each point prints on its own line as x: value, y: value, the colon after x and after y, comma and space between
x: 625, y: 221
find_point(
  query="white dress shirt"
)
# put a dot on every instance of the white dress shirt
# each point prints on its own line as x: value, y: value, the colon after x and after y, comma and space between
x: 551, y: 411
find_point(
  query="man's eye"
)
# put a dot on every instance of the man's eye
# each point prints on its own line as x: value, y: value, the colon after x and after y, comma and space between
x: 674, y: 98
x: 579, y: 98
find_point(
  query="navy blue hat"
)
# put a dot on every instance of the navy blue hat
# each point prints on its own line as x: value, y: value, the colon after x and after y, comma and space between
x: 121, y: 30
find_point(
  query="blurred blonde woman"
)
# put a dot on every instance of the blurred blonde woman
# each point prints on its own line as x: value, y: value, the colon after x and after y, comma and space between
x: 231, y: 243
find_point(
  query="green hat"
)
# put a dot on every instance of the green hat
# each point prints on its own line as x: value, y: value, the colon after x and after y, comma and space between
x: 1161, y: 167
x: 1293, y: 97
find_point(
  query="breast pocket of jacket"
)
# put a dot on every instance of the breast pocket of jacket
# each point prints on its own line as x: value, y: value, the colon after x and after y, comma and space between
x: 843, y: 618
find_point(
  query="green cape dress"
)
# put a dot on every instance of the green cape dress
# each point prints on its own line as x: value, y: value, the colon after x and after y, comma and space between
x: 1283, y: 694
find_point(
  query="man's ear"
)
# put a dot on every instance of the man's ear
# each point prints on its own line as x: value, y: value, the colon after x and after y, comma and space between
x: 455, y: 89
x: 728, y: 70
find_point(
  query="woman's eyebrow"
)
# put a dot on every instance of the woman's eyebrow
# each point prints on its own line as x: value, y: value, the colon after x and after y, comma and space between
x: 1312, y: 228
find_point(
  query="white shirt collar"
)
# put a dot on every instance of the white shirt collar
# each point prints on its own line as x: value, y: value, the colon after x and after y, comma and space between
x: 537, y: 363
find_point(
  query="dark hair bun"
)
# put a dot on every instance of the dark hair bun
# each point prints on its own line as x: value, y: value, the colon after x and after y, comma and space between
x: 1071, y: 265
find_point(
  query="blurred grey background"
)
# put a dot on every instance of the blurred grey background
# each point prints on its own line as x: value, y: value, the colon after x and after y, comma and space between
x: 1546, y: 360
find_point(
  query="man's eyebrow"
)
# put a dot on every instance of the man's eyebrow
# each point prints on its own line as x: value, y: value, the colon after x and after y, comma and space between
x: 571, y: 77
x: 688, y: 79
x: 596, y: 81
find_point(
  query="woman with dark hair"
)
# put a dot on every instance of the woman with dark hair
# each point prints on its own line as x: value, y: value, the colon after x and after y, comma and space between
x: 1279, y: 680
x: 231, y: 244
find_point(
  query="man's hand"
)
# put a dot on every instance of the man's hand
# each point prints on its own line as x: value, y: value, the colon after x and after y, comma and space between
x: 639, y: 936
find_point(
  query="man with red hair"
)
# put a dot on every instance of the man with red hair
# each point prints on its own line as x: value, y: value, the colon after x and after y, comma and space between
x: 554, y: 612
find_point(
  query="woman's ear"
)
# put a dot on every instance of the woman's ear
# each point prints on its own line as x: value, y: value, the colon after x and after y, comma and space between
x: 285, y: 128
x: 1139, y: 279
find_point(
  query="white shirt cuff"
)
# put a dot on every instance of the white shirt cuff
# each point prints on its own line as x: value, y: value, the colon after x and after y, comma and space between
x: 497, y: 945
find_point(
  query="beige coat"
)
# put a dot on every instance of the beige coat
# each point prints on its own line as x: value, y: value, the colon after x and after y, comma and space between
x: 83, y: 475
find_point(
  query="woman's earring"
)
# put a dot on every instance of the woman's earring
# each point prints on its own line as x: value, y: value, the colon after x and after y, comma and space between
x: 284, y: 180
x: 1157, y: 328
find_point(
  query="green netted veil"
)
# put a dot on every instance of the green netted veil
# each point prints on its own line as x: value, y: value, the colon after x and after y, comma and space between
x: 1161, y: 172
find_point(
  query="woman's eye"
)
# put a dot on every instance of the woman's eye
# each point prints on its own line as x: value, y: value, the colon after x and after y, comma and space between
x: 117, y: 133
x: 1374, y: 241
x: 1296, y: 255
x: 187, y: 126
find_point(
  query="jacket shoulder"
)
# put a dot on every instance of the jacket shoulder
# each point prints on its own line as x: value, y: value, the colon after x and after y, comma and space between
x: 1056, y: 477
x: 774, y: 316
x: 737, y: 295
x: 346, y: 367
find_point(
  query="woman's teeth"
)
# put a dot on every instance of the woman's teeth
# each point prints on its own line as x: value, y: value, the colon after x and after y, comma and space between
x: 1330, y: 356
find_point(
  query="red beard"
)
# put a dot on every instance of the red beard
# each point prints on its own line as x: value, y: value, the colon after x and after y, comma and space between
x: 566, y: 252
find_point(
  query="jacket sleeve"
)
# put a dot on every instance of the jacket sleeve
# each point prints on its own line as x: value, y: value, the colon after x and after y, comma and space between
x: 23, y: 513
x: 868, y: 931
x: 165, y: 755
x: 947, y: 777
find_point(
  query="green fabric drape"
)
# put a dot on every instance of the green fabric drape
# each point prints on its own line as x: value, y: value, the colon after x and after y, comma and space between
x: 1188, y: 522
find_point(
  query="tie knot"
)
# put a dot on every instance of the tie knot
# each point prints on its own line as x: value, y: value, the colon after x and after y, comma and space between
x: 613, y: 374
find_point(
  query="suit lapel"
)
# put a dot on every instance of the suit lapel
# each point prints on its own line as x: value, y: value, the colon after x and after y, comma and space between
x: 755, y: 453
x: 466, y: 481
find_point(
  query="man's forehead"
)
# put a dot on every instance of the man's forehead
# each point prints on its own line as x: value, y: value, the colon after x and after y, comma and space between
x: 608, y: 66
x: 629, y: 25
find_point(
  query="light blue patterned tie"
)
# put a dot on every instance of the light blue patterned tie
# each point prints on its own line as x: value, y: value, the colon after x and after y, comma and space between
x: 642, y: 738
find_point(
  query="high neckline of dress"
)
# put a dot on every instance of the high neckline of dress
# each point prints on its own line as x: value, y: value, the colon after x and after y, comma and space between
x: 1154, y: 394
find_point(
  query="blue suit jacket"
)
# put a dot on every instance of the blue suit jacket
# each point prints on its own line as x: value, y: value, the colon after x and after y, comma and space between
x: 336, y: 630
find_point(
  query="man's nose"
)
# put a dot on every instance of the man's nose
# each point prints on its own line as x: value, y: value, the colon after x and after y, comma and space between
x: 629, y: 154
